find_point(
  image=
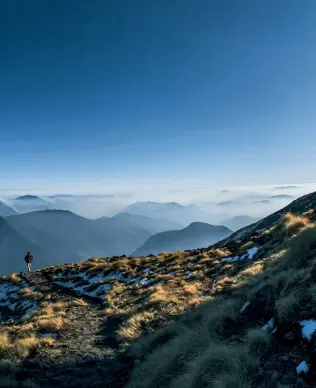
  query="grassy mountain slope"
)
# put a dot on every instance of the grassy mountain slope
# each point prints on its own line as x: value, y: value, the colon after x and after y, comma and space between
x: 195, y: 235
x: 239, y: 315
x: 298, y: 206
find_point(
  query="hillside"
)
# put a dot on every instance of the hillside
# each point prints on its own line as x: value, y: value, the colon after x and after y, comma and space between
x: 6, y: 210
x: 238, y: 222
x: 241, y: 315
x: 298, y: 206
x: 69, y: 237
x: 196, y: 235
x: 13, y: 248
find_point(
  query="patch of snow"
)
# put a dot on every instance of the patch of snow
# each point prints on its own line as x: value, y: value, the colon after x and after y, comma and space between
x: 269, y: 325
x: 308, y: 328
x: 248, y: 255
x: 230, y: 259
x: 302, y: 368
x: 10, y: 298
x: 100, y: 290
x: 144, y: 281
x: 100, y: 276
x: 251, y: 252
x: 242, y: 310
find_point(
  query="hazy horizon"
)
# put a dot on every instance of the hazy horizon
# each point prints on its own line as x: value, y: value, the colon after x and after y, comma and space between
x: 221, y: 203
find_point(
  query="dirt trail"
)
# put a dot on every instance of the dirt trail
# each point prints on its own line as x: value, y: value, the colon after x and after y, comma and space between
x: 85, y: 353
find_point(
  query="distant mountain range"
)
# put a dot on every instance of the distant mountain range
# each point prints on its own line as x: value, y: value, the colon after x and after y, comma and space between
x: 153, y: 225
x: 196, y: 235
x: 171, y: 211
x: 59, y: 236
x: 29, y: 203
x: 72, y: 237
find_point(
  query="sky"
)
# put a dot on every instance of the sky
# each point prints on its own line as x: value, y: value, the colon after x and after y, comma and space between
x: 152, y: 96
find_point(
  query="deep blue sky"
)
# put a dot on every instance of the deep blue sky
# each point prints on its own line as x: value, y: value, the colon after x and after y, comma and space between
x: 147, y: 91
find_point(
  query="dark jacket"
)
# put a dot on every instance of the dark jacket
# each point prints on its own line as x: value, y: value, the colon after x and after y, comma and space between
x: 28, y: 258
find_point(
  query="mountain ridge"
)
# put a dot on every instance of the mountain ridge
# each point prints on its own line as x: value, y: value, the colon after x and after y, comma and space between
x: 6, y: 210
x: 195, y: 235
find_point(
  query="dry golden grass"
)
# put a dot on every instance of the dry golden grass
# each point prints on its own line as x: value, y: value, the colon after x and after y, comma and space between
x: 49, y: 324
x: 27, y: 327
x: 58, y: 306
x: 26, y: 291
x: 252, y: 270
x: 220, y: 252
x: 80, y: 302
x: 46, y: 341
x: 30, y: 342
x: 294, y: 223
x: 4, y: 341
x: 22, y: 347
x: 14, y: 278
x: 134, y: 326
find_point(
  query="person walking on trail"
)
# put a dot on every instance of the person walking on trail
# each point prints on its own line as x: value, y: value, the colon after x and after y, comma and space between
x: 28, y: 259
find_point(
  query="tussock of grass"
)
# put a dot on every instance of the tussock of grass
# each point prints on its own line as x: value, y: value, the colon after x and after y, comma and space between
x: 50, y: 324
x: 46, y: 341
x: 80, y: 302
x: 134, y: 326
x: 15, y: 278
x: 58, y: 306
x: 4, y: 341
x: 26, y: 291
x: 295, y: 223
x: 23, y: 346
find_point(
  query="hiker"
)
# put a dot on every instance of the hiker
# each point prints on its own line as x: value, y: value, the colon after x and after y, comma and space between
x: 28, y: 259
